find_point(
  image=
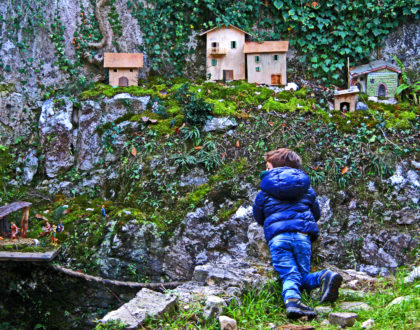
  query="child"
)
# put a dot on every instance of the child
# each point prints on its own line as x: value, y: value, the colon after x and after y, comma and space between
x: 287, y: 207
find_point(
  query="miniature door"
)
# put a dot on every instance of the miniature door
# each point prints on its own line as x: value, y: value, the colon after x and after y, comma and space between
x: 227, y: 75
x: 382, y: 90
x: 123, y: 82
x: 275, y: 79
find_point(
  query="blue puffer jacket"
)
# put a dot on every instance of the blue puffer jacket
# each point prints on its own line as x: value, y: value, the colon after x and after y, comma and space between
x: 287, y: 203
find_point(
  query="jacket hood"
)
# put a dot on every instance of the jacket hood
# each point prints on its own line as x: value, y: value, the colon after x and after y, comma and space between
x: 285, y: 183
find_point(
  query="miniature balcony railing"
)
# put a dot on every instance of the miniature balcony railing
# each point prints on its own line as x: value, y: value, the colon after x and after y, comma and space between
x: 217, y: 51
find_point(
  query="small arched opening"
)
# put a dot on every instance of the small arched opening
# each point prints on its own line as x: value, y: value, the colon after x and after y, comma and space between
x: 382, y: 90
x: 123, y: 82
x: 344, y: 106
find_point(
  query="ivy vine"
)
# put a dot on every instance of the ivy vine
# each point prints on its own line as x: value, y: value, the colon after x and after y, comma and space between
x: 324, y: 34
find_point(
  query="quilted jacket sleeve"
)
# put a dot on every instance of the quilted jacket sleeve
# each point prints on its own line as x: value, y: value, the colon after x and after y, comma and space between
x: 258, y: 208
x: 316, y: 211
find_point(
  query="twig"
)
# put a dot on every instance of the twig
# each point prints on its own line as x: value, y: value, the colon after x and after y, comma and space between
x: 156, y: 286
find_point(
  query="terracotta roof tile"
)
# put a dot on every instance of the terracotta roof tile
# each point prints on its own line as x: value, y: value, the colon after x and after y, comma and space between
x: 123, y: 60
x: 266, y: 47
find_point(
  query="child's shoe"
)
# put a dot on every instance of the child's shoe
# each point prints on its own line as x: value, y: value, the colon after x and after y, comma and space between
x: 296, y: 309
x: 330, y: 283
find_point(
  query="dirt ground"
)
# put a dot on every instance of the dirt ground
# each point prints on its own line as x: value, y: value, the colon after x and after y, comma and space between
x: 18, y: 241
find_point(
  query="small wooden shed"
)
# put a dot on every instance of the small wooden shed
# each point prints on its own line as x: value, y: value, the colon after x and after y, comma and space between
x: 123, y: 68
x: 225, y: 53
x: 16, y: 206
x: 345, y: 100
x: 266, y: 62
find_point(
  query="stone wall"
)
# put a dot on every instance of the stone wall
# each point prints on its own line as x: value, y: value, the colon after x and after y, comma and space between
x: 389, y: 79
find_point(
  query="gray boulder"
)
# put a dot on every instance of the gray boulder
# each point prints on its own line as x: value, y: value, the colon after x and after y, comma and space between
x: 146, y: 303
x: 343, y: 319
x: 361, y: 106
x: 213, y: 307
x: 219, y: 124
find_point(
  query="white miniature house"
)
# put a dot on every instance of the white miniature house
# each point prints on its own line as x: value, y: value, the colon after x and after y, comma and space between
x: 266, y: 62
x: 225, y: 53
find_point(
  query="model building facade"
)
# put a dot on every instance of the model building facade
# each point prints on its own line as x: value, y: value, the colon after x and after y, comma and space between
x: 266, y: 62
x: 225, y: 53
x: 378, y: 78
x: 123, y: 68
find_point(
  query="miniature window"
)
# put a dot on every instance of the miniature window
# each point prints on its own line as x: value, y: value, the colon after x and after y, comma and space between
x: 257, y: 59
x: 372, y: 81
x: 233, y: 44
x: 131, y: 70
x: 275, y: 57
x: 215, y: 44
x: 214, y: 62
x: 258, y: 69
x: 115, y: 70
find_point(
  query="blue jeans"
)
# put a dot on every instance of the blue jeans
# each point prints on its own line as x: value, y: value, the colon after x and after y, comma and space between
x: 291, y: 256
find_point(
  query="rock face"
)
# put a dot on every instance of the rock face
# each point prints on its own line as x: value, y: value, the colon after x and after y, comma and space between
x: 404, y: 43
x: 16, y: 117
x: 146, y: 303
x: 135, y: 250
x: 55, y: 131
x: 199, y: 241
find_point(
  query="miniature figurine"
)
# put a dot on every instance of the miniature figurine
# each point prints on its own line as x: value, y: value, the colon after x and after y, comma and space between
x: 60, y: 227
x: 15, y: 230
x: 46, y: 229
x: 54, y: 234
x: 103, y: 211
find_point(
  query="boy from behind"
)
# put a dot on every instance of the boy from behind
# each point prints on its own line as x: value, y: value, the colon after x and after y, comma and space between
x: 287, y: 208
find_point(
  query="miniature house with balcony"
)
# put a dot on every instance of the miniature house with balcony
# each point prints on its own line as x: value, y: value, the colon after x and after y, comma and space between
x: 225, y: 53
x: 231, y: 57
x: 378, y: 78
x: 123, y: 68
x: 266, y: 62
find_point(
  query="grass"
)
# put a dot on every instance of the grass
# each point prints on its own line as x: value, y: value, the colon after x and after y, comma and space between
x: 263, y: 308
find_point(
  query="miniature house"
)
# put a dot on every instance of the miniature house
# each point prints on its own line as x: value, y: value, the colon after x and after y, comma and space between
x: 378, y: 78
x: 346, y: 100
x: 266, y: 62
x: 123, y: 68
x: 225, y: 53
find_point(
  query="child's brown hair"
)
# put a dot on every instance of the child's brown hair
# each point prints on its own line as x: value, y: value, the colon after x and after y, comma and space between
x: 283, y: 157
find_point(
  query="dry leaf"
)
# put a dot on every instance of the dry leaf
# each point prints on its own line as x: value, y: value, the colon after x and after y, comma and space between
x: 344, y: 170
x: 238, y: 144
x: 283, y: 125
x: 198, y: 147
x: 67, y: 211
x: 39, y: 216
x: 271, y: 123
x: 134, y: 151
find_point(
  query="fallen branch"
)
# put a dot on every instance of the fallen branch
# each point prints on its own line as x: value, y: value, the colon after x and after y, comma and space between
x: 156, y: 286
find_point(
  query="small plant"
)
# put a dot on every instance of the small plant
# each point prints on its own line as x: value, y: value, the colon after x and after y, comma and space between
x: 407, y: 91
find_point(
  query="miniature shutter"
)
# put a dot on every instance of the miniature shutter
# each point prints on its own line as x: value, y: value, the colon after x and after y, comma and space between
x: 233, y: 44
x: 275, y: 57
x: 213, y: 62
x: 258, y: 69
x: 257, y: 59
